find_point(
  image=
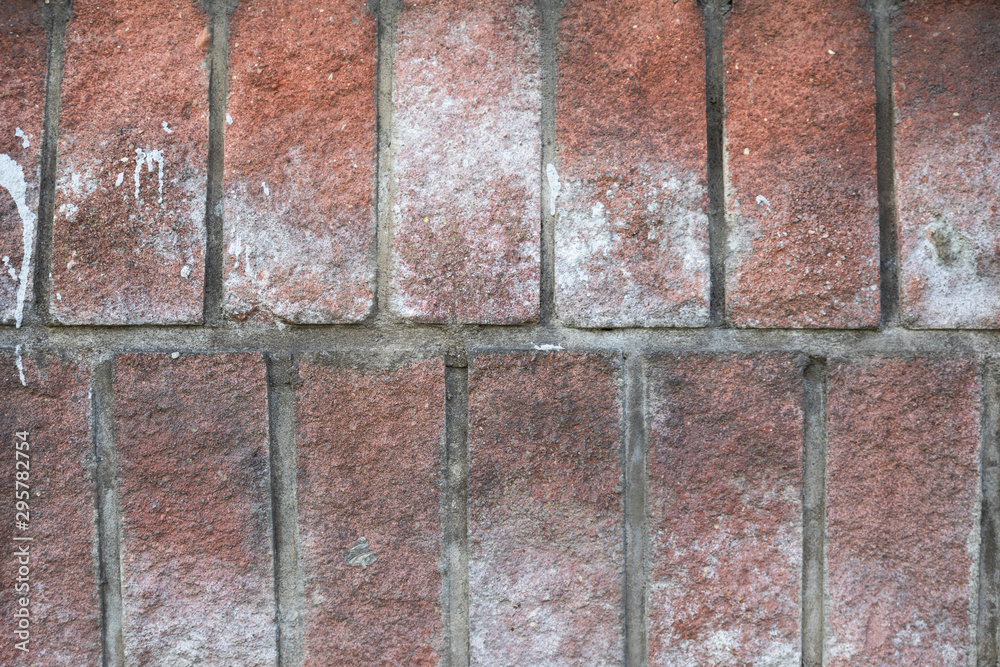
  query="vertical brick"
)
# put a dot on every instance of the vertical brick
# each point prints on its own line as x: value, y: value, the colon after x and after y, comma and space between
x: 128, y: 234
x: 466, y: 136
x: 632, y: 227
x: 369, y: 461
x: 22, y: 95
x: 300, y: 161
x: 947, y: 169
x: 197, y: 573
x: 46, y: 396
x: 725, y: 461
x: 800, y: 127
x: 545, y: 509
x: 901, y: 494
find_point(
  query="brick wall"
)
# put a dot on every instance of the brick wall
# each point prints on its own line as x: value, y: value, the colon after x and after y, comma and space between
x: 521, y: 332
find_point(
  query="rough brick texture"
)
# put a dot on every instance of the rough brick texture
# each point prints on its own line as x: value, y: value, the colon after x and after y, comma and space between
x: 369, y: 449
x: 300, y: 159
x: 22, y: 93
x: 130, y: 193
x: 725, y: 461
x: 197, y: 577
x: 632, y: 228
x: 800, y: 128
x: 467, y: 150
x: 46, y: 396
x: 901, y: 501
x: 947, y: 164
x: 545, y: 508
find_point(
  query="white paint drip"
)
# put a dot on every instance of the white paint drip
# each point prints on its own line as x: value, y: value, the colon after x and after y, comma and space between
x: 10, y: 269
x: 18, y: 132
x: 267, y: 192
x: 20, y: 365
x: 120, y: 179
x: 546, y: 346
x: 229, y: 119
x: 149, y: 158
x: 554, y: 187
x: 166, y: 128
x: 12, y: 178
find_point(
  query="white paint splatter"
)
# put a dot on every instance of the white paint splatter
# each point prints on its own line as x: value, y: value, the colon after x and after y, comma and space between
x: 10, y: 269
x: 120, y: 179
x: 12, y: 178
x: 20, y: 365
x: 18, y: 132
x: 149, y: 158
x: 761, y: 199
x: 267, y: 192
x: 186, y: 271
x: 166, y: 128
x: 546, y: 346
x: 229, y: 119
x: 554, y: 187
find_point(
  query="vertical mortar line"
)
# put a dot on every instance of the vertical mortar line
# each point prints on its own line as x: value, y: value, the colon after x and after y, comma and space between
x: 106, y: 500
x: 284, y: 510
x: 218, y: 94
x: 714, y: 12
x: 882, y: 12
x: 388, y: 18
x: 57, y: 14
x: 456, y: 497
x: 813, y: 511
x: 988, y: 624
x: 636, y: 514
x: 549, y: 11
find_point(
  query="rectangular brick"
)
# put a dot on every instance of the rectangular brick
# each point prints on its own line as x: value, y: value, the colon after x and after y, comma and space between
x: 545, y: 509
x: 802, y: 199
x: 467, y: 149
x: 129, y: 233
x: 901, y: 497
x: 300, y: 162
x: 369, y: 457
x: 947, y: 169
x: 22, y: 96
x: 632, y: 225
x: 46, y: 396
x: 196, y: 555
x: 725, y: 477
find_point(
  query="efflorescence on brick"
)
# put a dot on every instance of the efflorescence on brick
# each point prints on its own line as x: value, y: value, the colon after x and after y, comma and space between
x: 300, y: 159
x: 369, y: 447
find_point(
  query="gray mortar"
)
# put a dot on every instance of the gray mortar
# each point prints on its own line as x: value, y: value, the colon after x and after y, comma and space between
x: 813, y: 511
x: 550, y: 12
x: 987, y: 625
x: 636, y: 599
x: 456, y: 519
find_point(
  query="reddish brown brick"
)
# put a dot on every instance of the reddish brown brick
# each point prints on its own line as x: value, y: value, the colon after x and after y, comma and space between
x: 22, y: 94
x: 467, y: 145
x: 130, y: 195
x: 901, y: 494
x: 632, y: 228
x: 369, y: 461
x: 545, y: 509
x: 300, y: 159
x: 800, y: 127
x: 197, y: 574
x: 725, y: 462
x: 947, y: 164
x: 45, y: 396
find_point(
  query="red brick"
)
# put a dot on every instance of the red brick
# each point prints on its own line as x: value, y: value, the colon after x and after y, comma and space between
x: 800, y: 127
x: 901, y: 492
x: 300, y: 159
x: 134, y: 99
x: 947, y: 169
x: 468, y: 104
x: 632, y: 227
x: 369, y: 461
x: 22, y: 95
x: 197, y: 573
x: 50, y: 404
x: 545, y: 509
x: 725, y: 462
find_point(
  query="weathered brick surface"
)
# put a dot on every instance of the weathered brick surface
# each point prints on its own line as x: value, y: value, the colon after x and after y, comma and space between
x: 130, y: 193
x: 632, y: 227
x: 800, y: 127
x: 901, y: 493
x: 545, y: 509
x: 947, y: 164
x: 300, y: 158
x: 197, y: 577
x: 369, y: 460
x: 467, y: 147
x: 22, y: 94
x: 725, y: 461
x: 51, y: 405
